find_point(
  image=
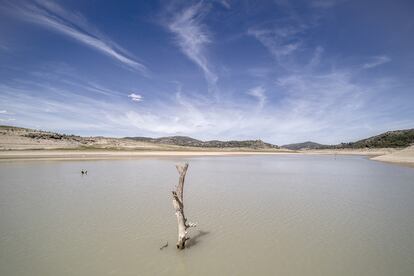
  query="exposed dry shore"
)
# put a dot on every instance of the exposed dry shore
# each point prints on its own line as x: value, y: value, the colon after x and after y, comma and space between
x: 405, y: 156
x: 367, y: 152
x: 389, y: 155
x: 398, y: 156
x: 27, y: 144
x: 108, y: 154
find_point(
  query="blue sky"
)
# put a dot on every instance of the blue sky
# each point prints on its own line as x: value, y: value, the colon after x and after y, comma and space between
x: 283, y: 71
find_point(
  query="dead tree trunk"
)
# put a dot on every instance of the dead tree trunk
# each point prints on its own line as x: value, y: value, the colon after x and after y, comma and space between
x: 178, y: 204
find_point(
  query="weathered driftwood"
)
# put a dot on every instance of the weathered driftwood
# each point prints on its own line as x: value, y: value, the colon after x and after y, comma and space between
x: 178, y: 204
x: 164, y: 246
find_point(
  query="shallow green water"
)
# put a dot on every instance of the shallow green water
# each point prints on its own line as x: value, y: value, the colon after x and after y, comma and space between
x: 257, y: 215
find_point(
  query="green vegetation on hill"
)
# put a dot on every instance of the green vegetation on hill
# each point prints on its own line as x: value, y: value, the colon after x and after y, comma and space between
x: 191, y: 142
x: 389, y: 139
x: 304, y: 145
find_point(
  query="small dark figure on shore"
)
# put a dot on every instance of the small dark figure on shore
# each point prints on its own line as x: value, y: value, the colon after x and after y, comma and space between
x: 84, y: 172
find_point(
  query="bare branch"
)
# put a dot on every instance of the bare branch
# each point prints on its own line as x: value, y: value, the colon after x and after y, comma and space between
x: 182, y: 170
x: 178, y: 203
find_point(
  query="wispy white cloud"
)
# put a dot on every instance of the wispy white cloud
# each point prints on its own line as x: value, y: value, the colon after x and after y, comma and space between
x: 62, y: 110
x: 316, y: 57
x: 259, y: 93
x: 192, y: 37
x: 327, y: 107
x: 285, y: 37
x: 5, y: 112
x: 135, y: 97
x: 281, y: 41
x: 7, y: 119
x: 66, y: 75
x: 276, y: 40
x: 75, y: 26
x: 225, y: 3
x: 325, y: 3
x: 92, y: 87
x: 312, y: 108
x: 376, y: 61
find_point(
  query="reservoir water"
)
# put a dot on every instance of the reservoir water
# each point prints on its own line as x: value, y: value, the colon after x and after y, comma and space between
x: 256, y: 215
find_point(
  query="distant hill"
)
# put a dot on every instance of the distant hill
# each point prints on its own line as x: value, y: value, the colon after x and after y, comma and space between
x: 24, y: 138
x: 389, y: 139
x: 191, y: 142
x: 304, y: 145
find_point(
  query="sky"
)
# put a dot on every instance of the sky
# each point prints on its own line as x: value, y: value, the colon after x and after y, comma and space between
x: 282, y: 71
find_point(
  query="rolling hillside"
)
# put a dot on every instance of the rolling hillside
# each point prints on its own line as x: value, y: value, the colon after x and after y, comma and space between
x: 389, y: 139
x: 191, y: 142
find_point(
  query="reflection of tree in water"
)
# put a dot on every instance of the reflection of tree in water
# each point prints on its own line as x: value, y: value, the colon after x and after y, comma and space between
x: 195, y: 239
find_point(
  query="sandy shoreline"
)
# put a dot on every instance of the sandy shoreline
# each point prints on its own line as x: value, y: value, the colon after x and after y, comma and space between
x: 28, y: 144
x: 404, y: 156
x: 106, y: 154
x: 365, y: 152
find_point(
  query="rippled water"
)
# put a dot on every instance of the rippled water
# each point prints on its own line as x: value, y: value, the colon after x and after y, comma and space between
x: 257, y: 215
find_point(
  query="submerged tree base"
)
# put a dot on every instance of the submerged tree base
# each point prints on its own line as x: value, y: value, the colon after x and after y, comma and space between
x: 178, y: 204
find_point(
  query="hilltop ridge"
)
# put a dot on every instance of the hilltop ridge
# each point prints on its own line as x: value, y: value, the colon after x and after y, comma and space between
x: 24, y: 138
x: 191, y: 142
x: 12, y: 137
x: 390, y: 139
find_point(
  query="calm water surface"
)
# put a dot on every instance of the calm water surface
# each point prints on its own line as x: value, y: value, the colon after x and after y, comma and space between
x: 257, y: 215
